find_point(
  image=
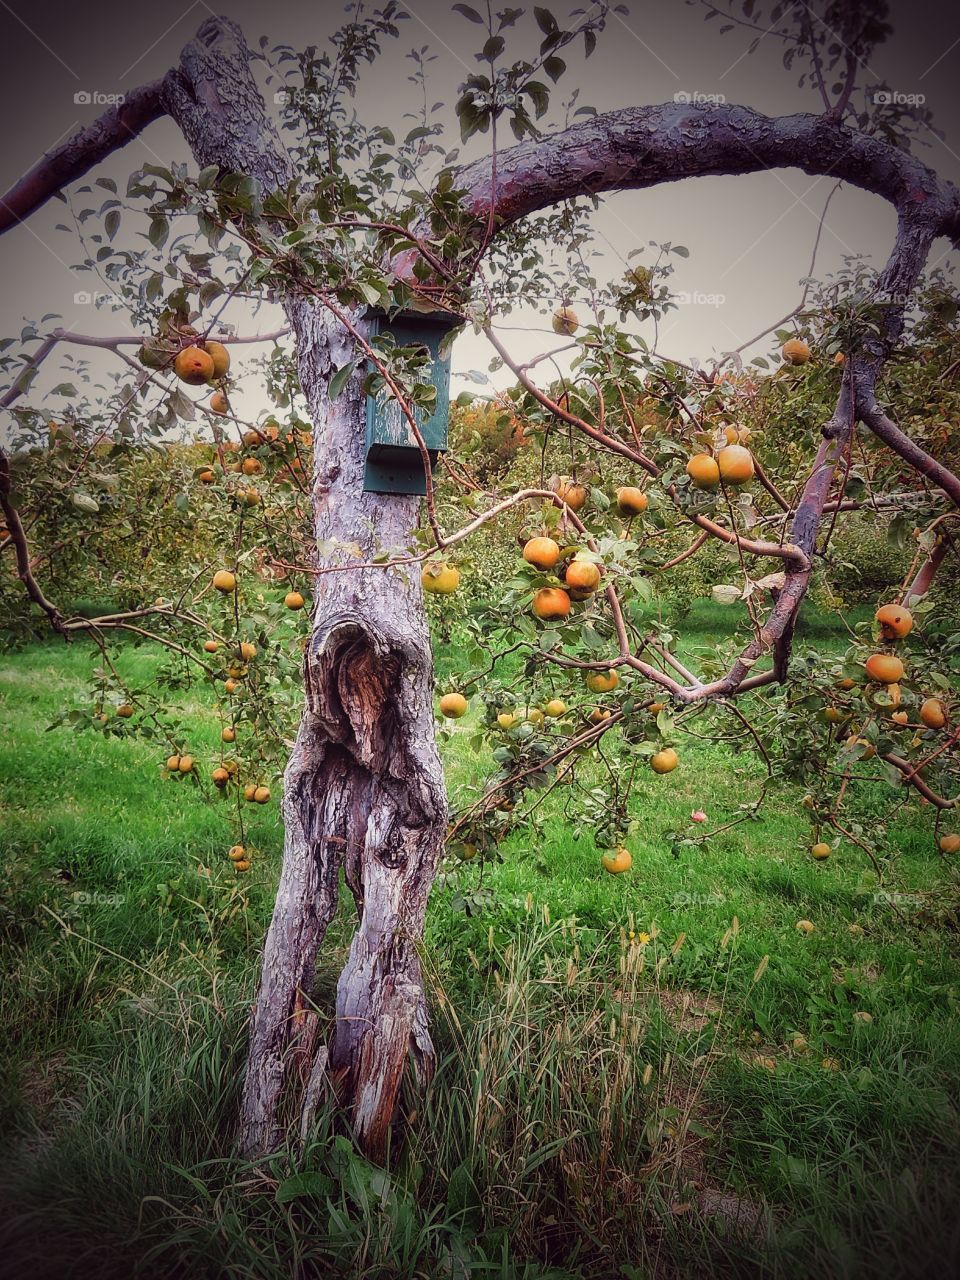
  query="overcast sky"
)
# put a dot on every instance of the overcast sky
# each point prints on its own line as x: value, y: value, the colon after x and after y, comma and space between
x: 750, y: 238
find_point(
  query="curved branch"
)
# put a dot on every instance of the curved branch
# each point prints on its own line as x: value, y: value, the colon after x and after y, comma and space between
x: 18, y: 538
x: 77, y: 156
x: 684, y: 555
x: 777, y: 632
x: 913, y: 778
x: 881, y: 426
x: 923, y: 581
x: 642, y: 146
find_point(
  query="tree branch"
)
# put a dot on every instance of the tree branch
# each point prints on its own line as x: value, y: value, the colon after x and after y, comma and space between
x: 18, y: 538
x: 923, y: 581
x: 641, y: 147
x: 77, y: 156
x: 910, y: 451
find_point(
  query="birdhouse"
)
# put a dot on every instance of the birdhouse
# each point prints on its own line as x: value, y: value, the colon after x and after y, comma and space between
x: 394, y: 463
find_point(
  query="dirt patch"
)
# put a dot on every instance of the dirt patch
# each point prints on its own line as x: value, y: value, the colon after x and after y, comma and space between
x: 690, y: 1126
x: 40, y: 1084
x: 689, y: 1010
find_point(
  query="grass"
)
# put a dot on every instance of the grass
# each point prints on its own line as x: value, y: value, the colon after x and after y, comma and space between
x: 631, y: 1077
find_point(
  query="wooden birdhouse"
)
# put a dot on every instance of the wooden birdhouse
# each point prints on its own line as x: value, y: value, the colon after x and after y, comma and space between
x: 394, y: 463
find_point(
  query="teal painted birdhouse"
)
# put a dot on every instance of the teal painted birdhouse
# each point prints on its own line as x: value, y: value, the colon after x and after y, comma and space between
x: 394, y: 462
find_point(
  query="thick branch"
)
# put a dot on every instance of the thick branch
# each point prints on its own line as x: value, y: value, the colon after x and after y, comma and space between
x: 910, y: 451
x: 643, y: 146
x: 75, y: 157
x: 913, y: 778
x: 215, y: 101
x: 923, y: 581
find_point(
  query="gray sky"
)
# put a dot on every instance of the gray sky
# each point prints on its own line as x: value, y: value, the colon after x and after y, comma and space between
x: 750, y: 237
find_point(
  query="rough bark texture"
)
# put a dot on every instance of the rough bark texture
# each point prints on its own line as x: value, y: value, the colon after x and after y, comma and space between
x: 645, y: 146
x: 363, y: 791
x: 216, y: 102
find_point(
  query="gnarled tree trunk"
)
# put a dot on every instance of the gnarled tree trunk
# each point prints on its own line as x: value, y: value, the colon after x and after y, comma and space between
x: 364, y: 786
x: 363, y: 791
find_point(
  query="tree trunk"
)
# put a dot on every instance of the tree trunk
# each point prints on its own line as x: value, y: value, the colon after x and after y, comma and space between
x: 363, y: 791
x: 364, y: 786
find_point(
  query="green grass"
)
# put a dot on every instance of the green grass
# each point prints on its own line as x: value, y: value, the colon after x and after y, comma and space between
x: 592, y: 1089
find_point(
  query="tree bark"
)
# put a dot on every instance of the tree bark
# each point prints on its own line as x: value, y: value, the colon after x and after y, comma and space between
x: 644, y: 146
x: 363, y: 792
x: 77, y: 156
x: 926, y: 574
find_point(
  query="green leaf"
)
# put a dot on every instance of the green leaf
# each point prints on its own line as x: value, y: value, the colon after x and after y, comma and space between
x: 158, y: 171
x: 309, y: 1183
x: 209, y: 290
x: 463, y: 1199
x: 470, y: 14
x: 373, y: 295
x: 181, y: 405
x: 471, y: 119
x: 554, y: 67
x: 539, y: 95
x: 545, y: 20
x: 493, y: 48
x: 340, y: 379
x: 159, y: 230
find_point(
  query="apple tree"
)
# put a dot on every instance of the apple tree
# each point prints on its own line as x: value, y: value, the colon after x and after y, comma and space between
x: 630, y: 451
